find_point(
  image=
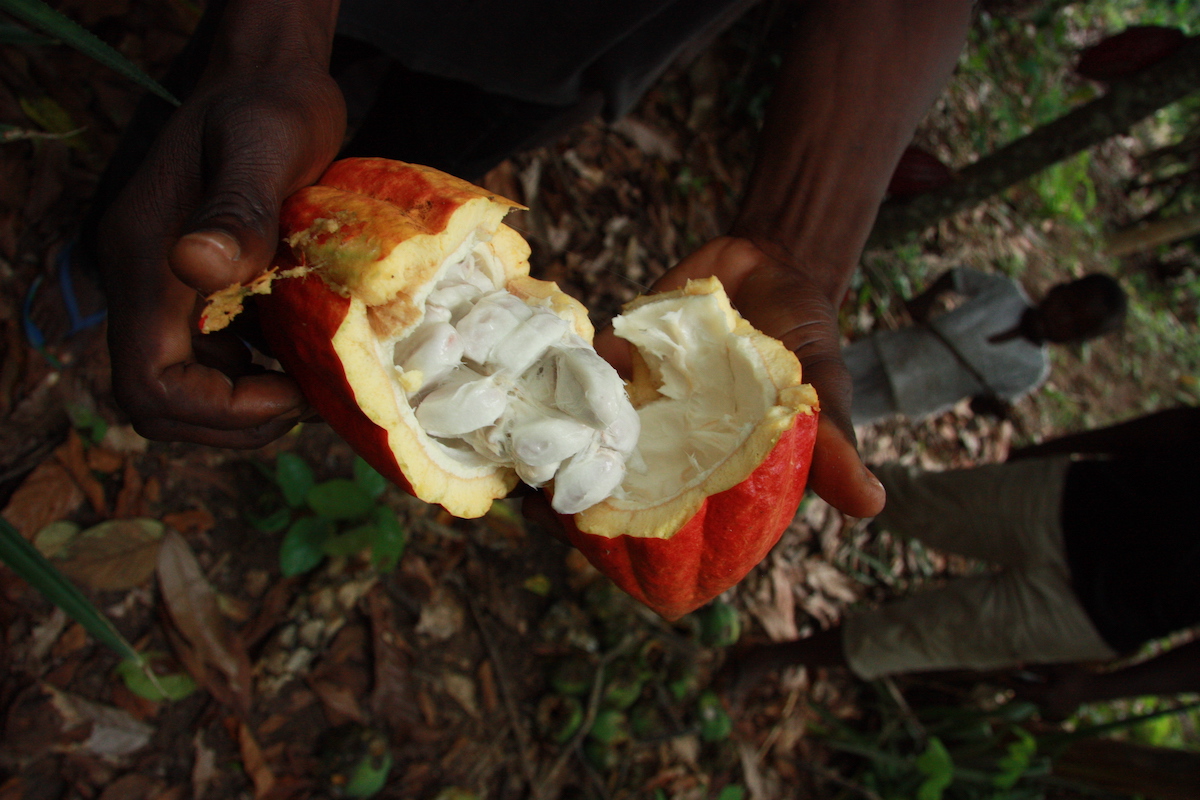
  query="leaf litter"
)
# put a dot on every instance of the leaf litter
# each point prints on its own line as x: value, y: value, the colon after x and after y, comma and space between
x: 611, y: 207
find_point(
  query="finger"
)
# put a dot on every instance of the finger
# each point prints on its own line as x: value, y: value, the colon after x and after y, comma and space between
x: 170, y: 430
x: 839, y: 477
x: 232, y: 232
x: 157, y: 376
x: 615, y: 350
x: 535, y: 507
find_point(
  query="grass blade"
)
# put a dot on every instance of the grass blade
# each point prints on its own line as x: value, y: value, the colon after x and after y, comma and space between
x: 41, y: 16
x: 32, y: 566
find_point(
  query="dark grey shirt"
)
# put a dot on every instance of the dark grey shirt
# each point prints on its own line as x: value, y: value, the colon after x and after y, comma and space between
x: 540, y: 51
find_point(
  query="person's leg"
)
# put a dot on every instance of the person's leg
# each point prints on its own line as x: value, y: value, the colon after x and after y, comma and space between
x: 1004, y: 513
x: 982, y: 622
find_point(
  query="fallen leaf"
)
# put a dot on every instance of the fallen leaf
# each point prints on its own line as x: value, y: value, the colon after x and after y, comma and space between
x: 47, y: 495
x: 71, y: 455
x: 101, y: 459
x: 193, y: 609
x: 392, y: 697
x: 130, y: 501
x: 648, y: 139
x: 194, y: 521
x: 117, y: 555
x: 204, y: 766
x: 53, y: 539
x: 442, y: 616
x: 123, y: 439
x: 254, y: 764
x: 132, y: 786
x: 73, y: 639
x: 48, y: 720
x: 773, y: 603
x: 462, y: 689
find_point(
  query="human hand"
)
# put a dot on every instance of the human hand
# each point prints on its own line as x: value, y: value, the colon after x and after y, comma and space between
x: 200, y: 214
x: 782, y: 302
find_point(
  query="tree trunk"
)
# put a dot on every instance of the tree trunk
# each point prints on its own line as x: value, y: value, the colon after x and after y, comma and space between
x: 1127, y: 102
x: 1152, y: 234
x: 1133, y: 769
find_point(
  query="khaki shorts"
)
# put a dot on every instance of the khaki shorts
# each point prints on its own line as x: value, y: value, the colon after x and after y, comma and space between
x: 1024, y: 612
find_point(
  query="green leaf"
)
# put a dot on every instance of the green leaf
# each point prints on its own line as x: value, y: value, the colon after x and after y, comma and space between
x: 88, y: 422
x: 390, y: 540
x: 368, y: 479
x: 32, y: 566
x: 162, y: 687
x: 340, y: 499
x: 715, y: 724
x: 1014, y: 763
x: 274, y: 522
x: 350, y: 542
x: 294, y: 478
x: 538, y: 584
x: 303, y: 545
x: 54, y: 119
x: 41, y: 16
x: 937, y: 767
x: 732, y: 792
x: 14, y: 34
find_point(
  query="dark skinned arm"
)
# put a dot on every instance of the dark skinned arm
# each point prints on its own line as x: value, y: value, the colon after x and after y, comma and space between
x: 1158, y: 431
x: 201, y: 212
x: 854, y: 85
x: 1064, y: 688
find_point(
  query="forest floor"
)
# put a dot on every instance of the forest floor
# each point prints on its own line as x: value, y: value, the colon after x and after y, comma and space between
x: 449, y: 661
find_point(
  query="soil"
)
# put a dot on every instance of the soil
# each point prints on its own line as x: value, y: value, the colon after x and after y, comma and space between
x: 446, y: 671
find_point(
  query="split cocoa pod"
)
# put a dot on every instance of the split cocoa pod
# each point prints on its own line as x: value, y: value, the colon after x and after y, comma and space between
x: 403, y: 307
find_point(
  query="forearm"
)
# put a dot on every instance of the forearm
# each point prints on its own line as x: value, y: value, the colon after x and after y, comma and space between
x: 1158, y: 431
x: 1176, y: 671
x: 254, y: 34
x: 856, y: 82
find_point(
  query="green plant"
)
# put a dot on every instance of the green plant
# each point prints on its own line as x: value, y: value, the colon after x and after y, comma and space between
x: 31, y: 566
x: 976, y: 753
x: 336, y: 517
x: 63, y: 29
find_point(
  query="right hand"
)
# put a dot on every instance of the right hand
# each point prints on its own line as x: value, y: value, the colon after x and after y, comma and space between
x: 200, y: 214
x: 781, y: 301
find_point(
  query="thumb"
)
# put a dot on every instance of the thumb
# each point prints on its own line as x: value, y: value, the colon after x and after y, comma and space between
x: 232, y: 235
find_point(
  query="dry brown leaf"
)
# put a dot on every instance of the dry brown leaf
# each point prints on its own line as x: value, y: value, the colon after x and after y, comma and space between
x: 71, y: 455
x: 254, y: 764
x: 773, y: 604
x: 204, y: 766
x: 113, y: 556
x: 131, y: 501
x: 338, y: 688
x: 101, y: 459
x: 132, y: 786
x: 192, y: 605
x: 45, y: 720
x: 49, y: 494
x: 392, y: 697
x: 191, y: 522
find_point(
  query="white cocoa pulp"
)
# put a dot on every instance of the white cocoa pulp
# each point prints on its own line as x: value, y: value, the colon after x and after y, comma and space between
x: 491, y: 376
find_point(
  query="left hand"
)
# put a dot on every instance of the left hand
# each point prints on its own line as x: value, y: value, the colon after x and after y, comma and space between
x: 782, y: 302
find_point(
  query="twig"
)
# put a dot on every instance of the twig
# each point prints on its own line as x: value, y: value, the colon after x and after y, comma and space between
x: 590, y: 716
x: 833, y: 777
x: 915, y: 728
x: 777, y: 730
x: 506, y: 695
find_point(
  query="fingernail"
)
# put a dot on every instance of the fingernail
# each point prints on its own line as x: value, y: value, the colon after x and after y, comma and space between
x: 226, y: 246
